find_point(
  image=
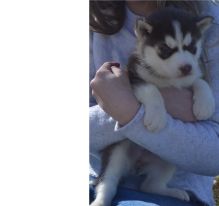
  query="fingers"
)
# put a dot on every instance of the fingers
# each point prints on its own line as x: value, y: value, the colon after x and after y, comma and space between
x: 115, y: 64
x: 106, y: 68
x: 116, y: 71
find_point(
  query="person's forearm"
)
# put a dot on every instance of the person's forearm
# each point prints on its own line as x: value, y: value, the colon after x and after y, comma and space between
x: 191, y: 146
x: 179, y: 103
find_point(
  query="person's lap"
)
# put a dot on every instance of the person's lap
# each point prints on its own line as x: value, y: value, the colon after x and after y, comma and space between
x: 128, y: 197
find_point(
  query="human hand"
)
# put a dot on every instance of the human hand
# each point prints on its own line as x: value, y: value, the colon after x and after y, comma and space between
x: 179, y: 103
x: 113, y: 92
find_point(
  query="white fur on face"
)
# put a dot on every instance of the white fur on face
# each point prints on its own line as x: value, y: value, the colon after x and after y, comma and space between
x: 170, y: 67
x: 178, y: 34
x: 187, y: 39
x: 170, y: 42
x: 179, y: 41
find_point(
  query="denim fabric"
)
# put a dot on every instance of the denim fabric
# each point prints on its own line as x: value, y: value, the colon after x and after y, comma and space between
x: 129, y: 197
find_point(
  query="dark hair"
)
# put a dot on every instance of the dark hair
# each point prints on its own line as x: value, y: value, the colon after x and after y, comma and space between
x: 107, y: 17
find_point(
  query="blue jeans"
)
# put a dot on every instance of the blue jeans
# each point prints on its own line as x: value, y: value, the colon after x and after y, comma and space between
x: 129, y: 197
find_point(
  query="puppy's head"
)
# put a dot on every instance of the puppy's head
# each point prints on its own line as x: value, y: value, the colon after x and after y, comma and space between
x: 169, y: 41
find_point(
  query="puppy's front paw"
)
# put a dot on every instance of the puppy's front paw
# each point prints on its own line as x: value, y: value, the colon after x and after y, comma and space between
x: 203, y: 108
x: 155, y: 119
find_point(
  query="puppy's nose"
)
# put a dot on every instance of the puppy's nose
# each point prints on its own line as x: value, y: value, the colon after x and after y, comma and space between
x: 186, y: 69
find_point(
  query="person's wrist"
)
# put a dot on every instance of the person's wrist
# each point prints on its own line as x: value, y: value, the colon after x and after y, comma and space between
x: 129, y: 114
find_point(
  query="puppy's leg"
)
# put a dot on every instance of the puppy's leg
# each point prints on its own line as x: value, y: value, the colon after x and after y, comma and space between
x: 204, y: 103
x: 155, y: 112
x: 159, y: 174
x: 116, y: 168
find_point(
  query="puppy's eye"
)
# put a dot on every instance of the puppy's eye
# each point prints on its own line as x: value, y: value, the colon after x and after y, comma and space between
x: 165, y: 51
x: 191, y: 48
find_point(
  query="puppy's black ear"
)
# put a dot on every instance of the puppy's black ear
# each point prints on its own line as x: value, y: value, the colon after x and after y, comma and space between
x: 204, y: 23
x: 142, y: 28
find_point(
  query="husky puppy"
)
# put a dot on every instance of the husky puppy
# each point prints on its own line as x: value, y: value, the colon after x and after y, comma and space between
x: 167, y: 55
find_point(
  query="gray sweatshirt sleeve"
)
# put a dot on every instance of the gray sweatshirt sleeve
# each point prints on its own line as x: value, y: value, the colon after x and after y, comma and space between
x: 193, y: 147
x: 102, y: 132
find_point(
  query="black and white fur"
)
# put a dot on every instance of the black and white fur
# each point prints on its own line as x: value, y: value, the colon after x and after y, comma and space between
x: 167, y: 55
